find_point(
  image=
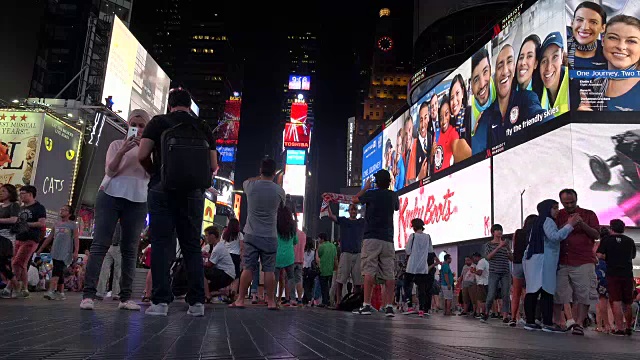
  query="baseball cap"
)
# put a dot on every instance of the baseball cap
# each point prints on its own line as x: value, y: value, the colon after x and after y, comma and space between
x: 382, y: 175
x: 554, y: 38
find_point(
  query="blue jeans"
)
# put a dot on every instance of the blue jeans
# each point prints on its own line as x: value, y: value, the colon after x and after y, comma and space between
x: 181, y: 213
x: 108, y: 211
x: 504, y: 280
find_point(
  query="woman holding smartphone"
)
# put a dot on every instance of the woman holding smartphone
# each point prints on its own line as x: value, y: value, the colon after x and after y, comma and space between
x: 122, y: 197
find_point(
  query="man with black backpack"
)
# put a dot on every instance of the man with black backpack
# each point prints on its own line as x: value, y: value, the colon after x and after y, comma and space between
x: 178, y: 150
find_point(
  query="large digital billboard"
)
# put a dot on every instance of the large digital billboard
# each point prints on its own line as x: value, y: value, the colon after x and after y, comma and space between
x: 604, y: 54
x: 20, y: 143
x: 57, y: 164
x: 529, y: 173
x: 372, y: 157
x: 229, y: 130
x: 133, y: 79
x: 454, y: 208
x: 508, y: 87
x: 227, y: 153
x: 297, y: 135
x: 296, y: 157
x: 299, y: 82
x: 295, y: 179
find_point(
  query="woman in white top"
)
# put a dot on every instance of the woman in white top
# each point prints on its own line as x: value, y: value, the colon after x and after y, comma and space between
x: 233, y: 241
x: 122, y: 197
x: 308, y: 274
x: 418, y: 249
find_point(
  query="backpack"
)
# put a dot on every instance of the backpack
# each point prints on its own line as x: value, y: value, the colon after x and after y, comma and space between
x: 185, y: 155
x: 351, y: 301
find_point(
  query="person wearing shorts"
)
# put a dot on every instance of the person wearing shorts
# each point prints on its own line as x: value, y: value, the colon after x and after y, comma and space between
x: 481, y: 270
x: 264, y: 198
x: 34, y: 215
x: 618, y: 251
x: 378, y: 253
x: 349, y: 266
x: 576, y: 280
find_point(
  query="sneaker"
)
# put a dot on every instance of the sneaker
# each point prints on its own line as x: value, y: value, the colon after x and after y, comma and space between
x: 86, y: 304
x: 158, y: 309
x: 388, y: 311
x: 484, y: 318
x: 477, y: 316
x: 24, y: 294
x: 129, y: 305
x: 60, y: 296
x: 618, y: 333
x: 7, y: 294
x: 505, y: 321
x: 421, y: 313
x: 522, y: 322
x: 553, y: 329
x: 570, y: 324
x: 532, y: 327
x: 410, y: 311
x: 196, y: 310
x: 49, y: 295
x: 364, y: 310
x: 513, y: 323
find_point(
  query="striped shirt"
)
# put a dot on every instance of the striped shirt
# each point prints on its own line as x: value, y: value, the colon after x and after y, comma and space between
x: 499, y: 264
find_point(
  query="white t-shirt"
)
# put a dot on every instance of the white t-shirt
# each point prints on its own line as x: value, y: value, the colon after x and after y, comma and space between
x: 483, y: 279
x: 221, y: 258
x: 234, y: 246
x: 308, y: 258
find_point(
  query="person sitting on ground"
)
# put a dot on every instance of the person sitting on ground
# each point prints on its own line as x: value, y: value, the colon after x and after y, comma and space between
x: 219, y: 270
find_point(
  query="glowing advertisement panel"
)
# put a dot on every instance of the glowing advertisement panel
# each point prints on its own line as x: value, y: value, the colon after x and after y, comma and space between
x: 294, y: 182
x: 536, y: 170
x: 229, y: 130
x: 20, y: 144
x: 224, y: 189
x: 606, y: 170
x: 298, y: 82
x: 297, y: 135
x: 208, y: 215
x: 372, y: 157
x: 454, y: 208
x: 227, y: 153
x: 296, y: 157
x: 133, y: 78
x: 604, y: 57
x: 395, y: 156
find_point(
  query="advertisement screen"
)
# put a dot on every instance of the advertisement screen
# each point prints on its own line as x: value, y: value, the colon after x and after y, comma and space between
x: 59, y: 154
x: 606, y: 170
x: 224, y: 189
x: 133, y: 79
x: 454, y: 208
x: 294, y: 182
x: 512, y: 84
x: 297, y: 135
x: 20, y: 143
x: 208, y: 215
x: 372, y: 157
x: 299, y: 111
x: 298, y: 82
x: 229, y: 129
x: 228, y: 153
x: 529, y: 173
x: 296, y: 157
x: 604, y: 57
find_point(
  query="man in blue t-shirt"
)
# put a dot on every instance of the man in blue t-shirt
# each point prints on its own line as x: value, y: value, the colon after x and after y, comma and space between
x: 378, y: 253
x: 351, y: 231
x: 446, y: 279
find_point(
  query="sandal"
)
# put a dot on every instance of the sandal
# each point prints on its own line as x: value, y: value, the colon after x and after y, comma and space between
x: 234, y: 306
x: 578, y: 330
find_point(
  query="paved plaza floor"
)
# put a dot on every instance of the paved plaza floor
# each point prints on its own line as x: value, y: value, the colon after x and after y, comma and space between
x: 40, y: 329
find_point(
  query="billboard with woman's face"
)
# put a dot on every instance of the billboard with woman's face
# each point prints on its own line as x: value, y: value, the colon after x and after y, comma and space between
x: 604, y: 54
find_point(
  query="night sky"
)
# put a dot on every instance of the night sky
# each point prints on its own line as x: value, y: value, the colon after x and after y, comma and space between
x: 345, y: 31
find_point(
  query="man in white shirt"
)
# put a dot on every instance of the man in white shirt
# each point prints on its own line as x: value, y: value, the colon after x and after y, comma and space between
x: 481, y: 271
x: 219, y: 270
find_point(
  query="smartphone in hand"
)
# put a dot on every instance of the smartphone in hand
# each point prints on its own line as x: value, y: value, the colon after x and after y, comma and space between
x: 132, y: 132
